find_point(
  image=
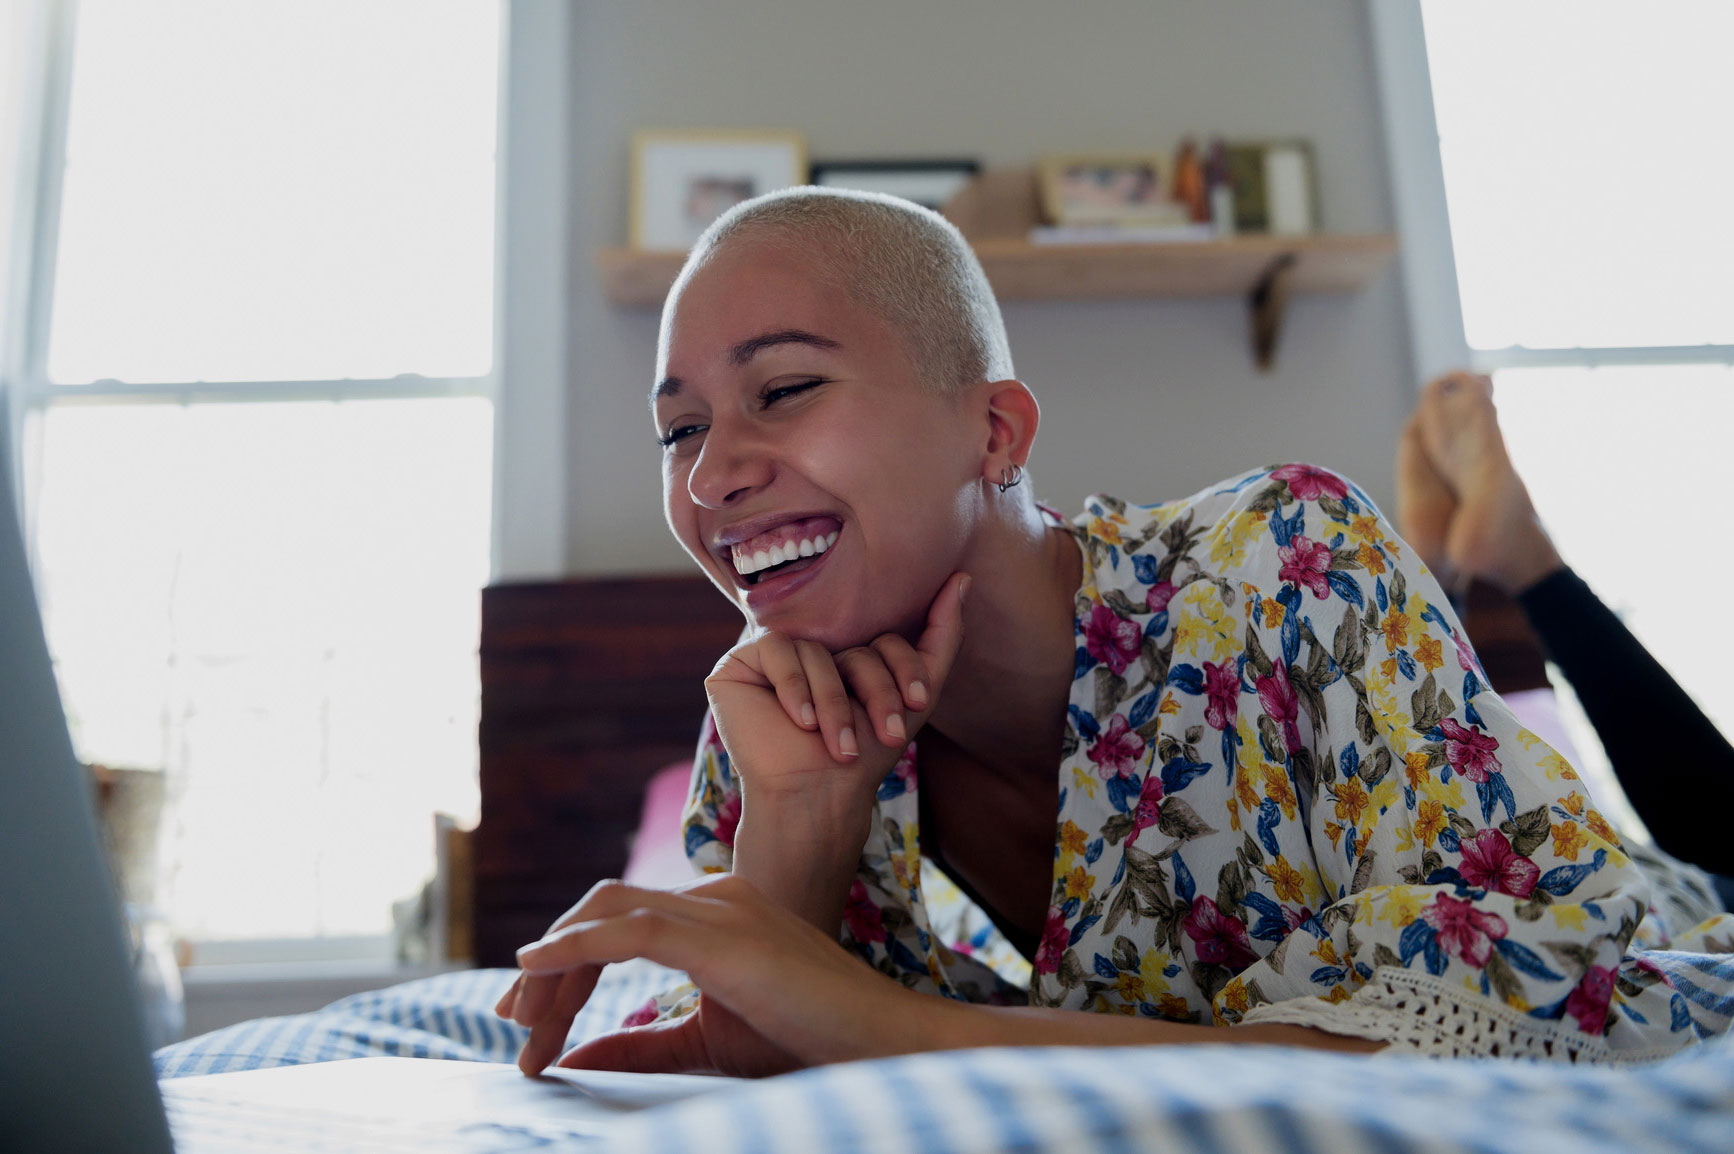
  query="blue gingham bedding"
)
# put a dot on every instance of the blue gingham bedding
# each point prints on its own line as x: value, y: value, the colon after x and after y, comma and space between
x: 1193, y: 1100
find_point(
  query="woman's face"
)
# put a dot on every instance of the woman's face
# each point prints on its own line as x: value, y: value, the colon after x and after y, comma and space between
x: 801, y: 446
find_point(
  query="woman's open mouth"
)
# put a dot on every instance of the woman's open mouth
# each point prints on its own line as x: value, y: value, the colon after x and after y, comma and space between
x: 784, y: 551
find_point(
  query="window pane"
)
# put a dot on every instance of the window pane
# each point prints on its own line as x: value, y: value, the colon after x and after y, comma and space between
x: 278, y: 191
x: 278, y: 604
x: 1627, y: 467
x: 1587, y: 170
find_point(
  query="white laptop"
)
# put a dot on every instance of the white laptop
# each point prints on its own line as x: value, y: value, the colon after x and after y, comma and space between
x: 75, y: 1073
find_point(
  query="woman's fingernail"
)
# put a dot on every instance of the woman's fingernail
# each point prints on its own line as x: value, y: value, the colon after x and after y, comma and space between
x: 807, y: 716
x: 894, y: 726
x: 918, y: 693
x: 963, y: 589
x: 846, y: 742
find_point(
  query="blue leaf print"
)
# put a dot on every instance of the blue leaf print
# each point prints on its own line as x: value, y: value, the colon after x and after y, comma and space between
x: 1326, y: 976
x: 1406, y: 664
x: 892, y: 786
x: 1187, y: 678
x: 1070, y: 909
x: 1157, y: 623
x: 1083, y: 927
x: 1431, y: 613
x: 1679, y: 1016
x: 1347, y: 588
x: 903, y: 956
x: 1119, y: 871
x: 1448, y: 840
x: 1082, y: 663
x: 1380, y: 595
x: 696, y: 836
x: 1561, y: 880
x: 1484, y: 791
x: 1142, y: 710
x: 1290, y: 638
x: 1093, y: 850
x: 1183, y: 884
x: 1287, y: 531
x: 1230, y: 743
x: 1633, y: 1014
x: 1350, y: 761
x: 1471, y: 685
x: 1336, y: 541
x: 1502, y: 790
x: 1123, y: 792
x: 1106, y: 969
x: 1269, y: 817
x: 1272, y: 926
x: 1289, y: 596
x: 1349, y: 844
x: 1416, y: 937
x: 1114, y: 556
x: 1145, y: 567
x: 1178, y: 772
x: 1084, y: 723
x: 1524, y: 960
x: 1473, y: 716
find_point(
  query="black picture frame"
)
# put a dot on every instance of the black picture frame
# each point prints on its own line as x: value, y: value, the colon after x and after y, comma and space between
x: 927, y: 182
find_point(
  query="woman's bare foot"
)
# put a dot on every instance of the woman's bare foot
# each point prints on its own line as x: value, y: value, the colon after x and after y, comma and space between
x: 1489, y: 529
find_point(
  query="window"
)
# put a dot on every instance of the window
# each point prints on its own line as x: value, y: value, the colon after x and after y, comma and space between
x: 1587, y: 191
x: 261, y: 436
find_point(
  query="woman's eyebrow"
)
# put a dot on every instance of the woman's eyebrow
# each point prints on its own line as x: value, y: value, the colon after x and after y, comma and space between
x: 743, y: 352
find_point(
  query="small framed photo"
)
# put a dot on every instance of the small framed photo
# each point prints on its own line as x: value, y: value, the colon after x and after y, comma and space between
x: 929, y: 183
x: 682, y: 181
x: 1111, y: 189
x: 1275, y: 187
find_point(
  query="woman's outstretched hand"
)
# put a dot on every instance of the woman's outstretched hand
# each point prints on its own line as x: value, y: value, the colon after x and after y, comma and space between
x: 800, y: 721
x: 777, y: 994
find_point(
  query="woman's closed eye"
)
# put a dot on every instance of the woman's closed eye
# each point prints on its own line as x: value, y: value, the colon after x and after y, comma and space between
x: 769, y: 397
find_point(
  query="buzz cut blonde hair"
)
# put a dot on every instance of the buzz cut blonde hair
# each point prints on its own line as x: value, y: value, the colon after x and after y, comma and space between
x: 906, y: 264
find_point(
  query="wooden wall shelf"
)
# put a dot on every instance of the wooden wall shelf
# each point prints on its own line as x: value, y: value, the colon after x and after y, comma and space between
x: 1263, y: 269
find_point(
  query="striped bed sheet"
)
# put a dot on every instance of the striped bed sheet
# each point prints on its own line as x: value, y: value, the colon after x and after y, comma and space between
x: 1211, y: 1099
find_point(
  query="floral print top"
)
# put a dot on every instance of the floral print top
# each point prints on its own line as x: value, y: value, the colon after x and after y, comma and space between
x: 1283, y: 771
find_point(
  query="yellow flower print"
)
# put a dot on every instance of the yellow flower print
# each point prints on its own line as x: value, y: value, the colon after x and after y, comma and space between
x: 1169, y: 705
x: 1272, y: 613
x: 1288, y: 882
x: 1384, y: 794
x: 1108, y: 528
x: 1073, y: 839
x: 1326, y: 952
x: 1339, y: 993
x: 1396, y: 629
x: 1429, y: 821
x: 1229, y: 542
x: 1415, y: 768
x: 1335, y: 833
x: 1568, y: 838
x: 1371, y: 559
x: 1078, y: 883
x: 1401, y: 905
x: 1150, y: 968
x: 1351, y: 801
x: 1569, y: 917
x: 1174, y: 1006
x: 1130, y: 986
x: 1365, y: 527
x: 1558, y: 768
x: 1246, y: 792
x: 1278, y: 788
x: 1430, y: 653
x: 1234, y: 997
x: 1600, y: 827
x: 1086, y: 782
x: 1573, y: 803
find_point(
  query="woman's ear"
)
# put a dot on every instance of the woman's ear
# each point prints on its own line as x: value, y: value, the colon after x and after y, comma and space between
x: 1012, y: 419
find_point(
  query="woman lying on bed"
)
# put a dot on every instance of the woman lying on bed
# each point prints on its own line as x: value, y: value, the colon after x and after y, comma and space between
x: 1289, y: 809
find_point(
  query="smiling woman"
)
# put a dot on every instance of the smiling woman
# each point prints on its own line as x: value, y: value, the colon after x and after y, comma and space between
x: 1279, y: 774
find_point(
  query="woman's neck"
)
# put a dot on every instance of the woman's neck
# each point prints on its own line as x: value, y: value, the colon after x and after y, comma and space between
x: 1005, y: 700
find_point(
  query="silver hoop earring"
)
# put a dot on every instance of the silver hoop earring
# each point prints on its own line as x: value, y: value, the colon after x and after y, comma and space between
x: 1010, y: 478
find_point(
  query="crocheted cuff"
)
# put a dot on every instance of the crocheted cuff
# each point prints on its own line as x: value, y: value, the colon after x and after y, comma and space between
x: 1417, y: 1013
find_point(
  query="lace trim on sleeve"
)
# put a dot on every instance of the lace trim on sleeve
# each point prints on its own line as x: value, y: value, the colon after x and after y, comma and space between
x: 1417, y: 1013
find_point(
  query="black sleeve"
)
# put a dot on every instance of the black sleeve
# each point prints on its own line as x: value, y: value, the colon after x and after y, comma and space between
x: 1675, y: 766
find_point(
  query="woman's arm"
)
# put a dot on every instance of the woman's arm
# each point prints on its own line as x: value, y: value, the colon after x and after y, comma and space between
x: 779, y: 994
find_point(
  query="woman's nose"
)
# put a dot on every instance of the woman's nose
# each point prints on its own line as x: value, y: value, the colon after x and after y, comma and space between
x: 729, y: 466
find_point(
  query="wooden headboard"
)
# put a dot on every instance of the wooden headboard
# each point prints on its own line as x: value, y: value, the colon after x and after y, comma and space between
x: 588, y: 688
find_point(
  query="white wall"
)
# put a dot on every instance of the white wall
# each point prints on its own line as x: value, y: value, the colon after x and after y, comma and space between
x: 1146, y: 399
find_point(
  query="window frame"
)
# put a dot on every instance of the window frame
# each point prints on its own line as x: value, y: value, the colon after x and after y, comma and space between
x: 526, y: 383
x: 1429, y: 267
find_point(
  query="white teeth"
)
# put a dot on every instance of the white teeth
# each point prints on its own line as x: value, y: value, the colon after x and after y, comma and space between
x: 806, y: 548
x: 820, y: 544
x: 747, y: 563
x: 831, y: 540
x: 743, y: 564
x: 761, y: 560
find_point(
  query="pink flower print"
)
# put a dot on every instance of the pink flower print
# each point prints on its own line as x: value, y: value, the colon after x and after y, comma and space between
x: 1305, y: 562
x: 1221, y: 939
x: 1116, y: 751
x: 1588, y: 1002
x: 1111, y: 639
x: 1278, y: 698
x: 1464, y: 930
x: 1222, y: 689
x: 1149, y: 809
x: 1056, y: 938
x: 1470, y: 751
x: 728, y: 819
x: 1159, y: 596
x: 1309, y: 483
x: 1490, y: 863
x: 642, y: 1016
x: 865, y: 922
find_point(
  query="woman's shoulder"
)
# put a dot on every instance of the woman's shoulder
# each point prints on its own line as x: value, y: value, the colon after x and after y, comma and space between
x: 1246, y: 528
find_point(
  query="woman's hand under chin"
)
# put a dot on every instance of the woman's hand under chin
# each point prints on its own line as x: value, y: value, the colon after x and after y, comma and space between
x: 821, y: 730
x: 777, y: 993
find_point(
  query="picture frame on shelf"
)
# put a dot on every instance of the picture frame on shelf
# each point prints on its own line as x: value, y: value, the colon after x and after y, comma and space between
x: 683, y: 181
x: 929, y: 183
x: 1275, y: 187
x: 1107, y: 189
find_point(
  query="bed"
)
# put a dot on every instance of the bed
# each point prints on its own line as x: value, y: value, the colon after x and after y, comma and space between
x: 591, y: 692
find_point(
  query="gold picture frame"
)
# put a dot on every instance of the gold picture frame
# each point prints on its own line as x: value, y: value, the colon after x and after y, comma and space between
x: 684, y: 180
x: 1126, y: 188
